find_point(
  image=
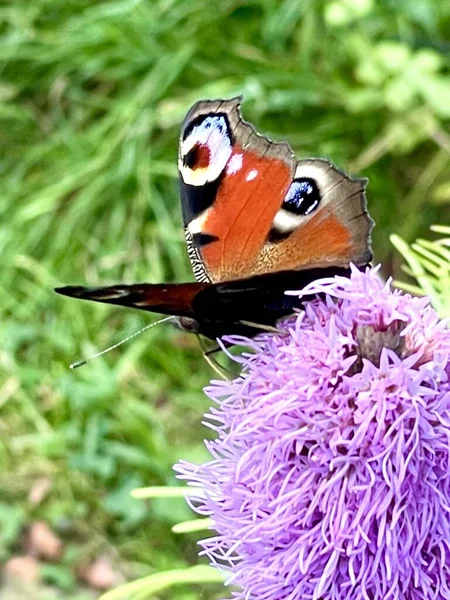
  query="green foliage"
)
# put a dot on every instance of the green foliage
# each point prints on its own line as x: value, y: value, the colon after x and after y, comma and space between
x: 12, y: 520
x: 91, y: 99
x: 59, y: 575
x: 146, y: 587
x: 429, y: 263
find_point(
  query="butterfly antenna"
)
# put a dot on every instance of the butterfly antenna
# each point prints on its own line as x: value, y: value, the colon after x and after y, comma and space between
x: 80, y: 363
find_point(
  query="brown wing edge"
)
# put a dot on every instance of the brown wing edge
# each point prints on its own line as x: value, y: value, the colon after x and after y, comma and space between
x: 351, y: 208
x: 361, y: 222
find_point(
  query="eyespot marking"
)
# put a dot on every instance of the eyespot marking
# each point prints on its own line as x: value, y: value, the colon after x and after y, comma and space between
x: 303, y: 197
x: 205, y: 149
x: 285, y: 222
x: 197, y: 158
x: 277, y: 236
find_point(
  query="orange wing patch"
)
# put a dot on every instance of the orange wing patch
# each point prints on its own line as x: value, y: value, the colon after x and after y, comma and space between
x: 252, y: 190
x: 323, y: 241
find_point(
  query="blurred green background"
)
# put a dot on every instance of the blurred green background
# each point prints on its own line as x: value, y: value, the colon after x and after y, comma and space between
x: 92, y: 95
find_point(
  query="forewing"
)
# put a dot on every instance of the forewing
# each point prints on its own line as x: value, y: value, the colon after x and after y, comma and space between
x: 167, y: 299
x: 233, y: 181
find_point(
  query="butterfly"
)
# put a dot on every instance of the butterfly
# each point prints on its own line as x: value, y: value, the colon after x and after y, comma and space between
x: 257, y: 222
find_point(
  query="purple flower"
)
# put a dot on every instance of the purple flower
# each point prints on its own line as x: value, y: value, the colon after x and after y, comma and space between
x: 330, y: 473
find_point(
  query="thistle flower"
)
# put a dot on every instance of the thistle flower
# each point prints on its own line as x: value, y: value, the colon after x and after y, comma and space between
x: 330, y: 472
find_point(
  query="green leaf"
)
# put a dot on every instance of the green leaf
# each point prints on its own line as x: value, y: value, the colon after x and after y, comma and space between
x: 441, y: 193
x: 343, y: 12
x: 436, y: 93
x: 429, y: 264
x: 12, y: 519
x: 393, y: 57
x: 59, y: 575
x: 399, y: 95
x: 428, y: 61
x: 147, y: 586
x: 121, y: 503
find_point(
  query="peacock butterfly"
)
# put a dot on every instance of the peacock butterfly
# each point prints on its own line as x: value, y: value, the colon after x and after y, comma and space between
x: 257, y: 222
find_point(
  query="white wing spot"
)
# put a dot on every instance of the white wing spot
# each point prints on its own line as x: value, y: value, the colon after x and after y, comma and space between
x: 198, y: 225
x: 235, y: 164
x: 251, y: 175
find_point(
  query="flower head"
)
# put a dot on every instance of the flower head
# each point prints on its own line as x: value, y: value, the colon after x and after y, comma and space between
x: 330, y: 472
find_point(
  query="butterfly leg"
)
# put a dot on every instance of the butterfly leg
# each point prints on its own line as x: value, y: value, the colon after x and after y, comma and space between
x: 260, y: 326
x: 215, y: 366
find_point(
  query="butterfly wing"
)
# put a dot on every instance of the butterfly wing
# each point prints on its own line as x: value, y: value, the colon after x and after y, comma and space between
x: 168, y: 299
x: 240, y: 307
x: 249, y: 207
x: 204, y: 308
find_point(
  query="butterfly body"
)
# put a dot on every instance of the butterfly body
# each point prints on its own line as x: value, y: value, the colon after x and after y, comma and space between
x: 214, y: 310
x: 257, y: 222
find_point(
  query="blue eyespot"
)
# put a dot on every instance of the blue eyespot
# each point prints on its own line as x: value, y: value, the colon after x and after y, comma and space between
x: 218, y: 122
x: 303, y: 197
